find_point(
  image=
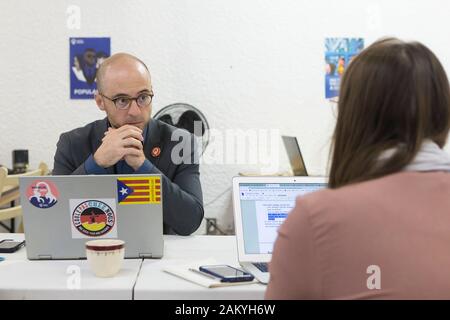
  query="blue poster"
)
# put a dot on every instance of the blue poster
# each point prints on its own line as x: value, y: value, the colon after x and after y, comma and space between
x: 338, y: 54
x: 86, y: 55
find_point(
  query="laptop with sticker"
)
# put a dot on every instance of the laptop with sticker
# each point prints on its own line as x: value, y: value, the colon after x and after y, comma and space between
x: 62, y: 213
x: 261, y: 205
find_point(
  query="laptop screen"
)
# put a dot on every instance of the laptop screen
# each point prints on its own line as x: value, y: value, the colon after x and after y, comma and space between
x: 264, y: 207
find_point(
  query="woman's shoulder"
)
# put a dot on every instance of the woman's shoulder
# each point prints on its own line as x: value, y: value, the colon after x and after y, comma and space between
x: 360, y: 200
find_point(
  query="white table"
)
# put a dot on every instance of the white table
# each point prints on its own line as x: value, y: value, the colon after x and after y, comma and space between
x: 153, y: 283
x: 21, y: 278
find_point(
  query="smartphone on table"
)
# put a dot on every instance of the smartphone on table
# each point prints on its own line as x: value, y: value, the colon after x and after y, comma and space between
x: 226, y: 273
x: 10, y: 246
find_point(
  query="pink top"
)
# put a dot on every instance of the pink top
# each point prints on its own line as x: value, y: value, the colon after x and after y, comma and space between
x: 399, y: 224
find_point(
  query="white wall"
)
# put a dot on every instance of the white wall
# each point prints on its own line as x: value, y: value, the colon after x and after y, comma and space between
x: 244, y: 63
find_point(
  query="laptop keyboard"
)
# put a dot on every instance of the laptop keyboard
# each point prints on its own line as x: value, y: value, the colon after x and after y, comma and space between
x: 262, y: 266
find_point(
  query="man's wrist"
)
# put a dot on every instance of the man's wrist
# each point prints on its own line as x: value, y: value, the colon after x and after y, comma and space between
x: 91, y: 167
x: 97, y: 162
x: 146, y: 167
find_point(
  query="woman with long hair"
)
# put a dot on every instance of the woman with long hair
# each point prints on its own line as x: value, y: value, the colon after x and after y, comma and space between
x: 382, y: 229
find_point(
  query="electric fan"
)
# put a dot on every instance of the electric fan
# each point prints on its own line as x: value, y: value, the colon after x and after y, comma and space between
x: 185, y: 116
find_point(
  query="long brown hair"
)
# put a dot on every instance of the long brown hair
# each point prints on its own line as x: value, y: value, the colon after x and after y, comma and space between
x: 394, y: 94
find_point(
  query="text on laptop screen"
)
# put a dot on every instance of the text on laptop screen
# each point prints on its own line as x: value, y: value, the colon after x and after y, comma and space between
x: 264, y: 207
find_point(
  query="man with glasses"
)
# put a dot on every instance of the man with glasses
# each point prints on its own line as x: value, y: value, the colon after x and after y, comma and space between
x: 128, y: 141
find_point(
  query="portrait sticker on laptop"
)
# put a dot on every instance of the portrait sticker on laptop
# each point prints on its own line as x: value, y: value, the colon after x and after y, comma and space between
x: 139, y: 190
x: 42, y: 194
x: 93, y: 218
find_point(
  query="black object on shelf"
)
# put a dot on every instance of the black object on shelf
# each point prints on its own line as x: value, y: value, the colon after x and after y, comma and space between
x: 20, y: 161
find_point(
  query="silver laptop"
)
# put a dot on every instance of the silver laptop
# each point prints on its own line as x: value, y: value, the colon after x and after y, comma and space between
x: 261, y: 204
x: 295, y: 156
x: 62, y: 213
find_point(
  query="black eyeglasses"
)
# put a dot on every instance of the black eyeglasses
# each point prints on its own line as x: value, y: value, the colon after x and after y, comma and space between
x: 124, y: 102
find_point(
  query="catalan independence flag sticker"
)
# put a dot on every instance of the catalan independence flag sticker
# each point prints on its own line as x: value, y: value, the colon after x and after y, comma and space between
x: 139, y: 190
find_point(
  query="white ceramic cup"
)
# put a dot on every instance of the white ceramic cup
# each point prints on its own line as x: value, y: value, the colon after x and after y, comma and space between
x: 105, y: 256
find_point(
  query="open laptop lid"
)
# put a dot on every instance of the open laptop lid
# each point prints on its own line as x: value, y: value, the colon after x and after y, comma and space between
x: 261, y: 205
x: 295, y: 156
x: 61, y: 213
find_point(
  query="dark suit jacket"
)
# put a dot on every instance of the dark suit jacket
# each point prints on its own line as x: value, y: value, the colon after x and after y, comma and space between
x: 182, y: 192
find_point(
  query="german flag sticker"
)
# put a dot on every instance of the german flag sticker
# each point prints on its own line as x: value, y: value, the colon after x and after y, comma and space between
x: 139, y: 190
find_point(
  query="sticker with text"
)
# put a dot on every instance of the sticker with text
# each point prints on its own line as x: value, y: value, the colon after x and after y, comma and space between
x: 93, y: 218
x: 42, y: 194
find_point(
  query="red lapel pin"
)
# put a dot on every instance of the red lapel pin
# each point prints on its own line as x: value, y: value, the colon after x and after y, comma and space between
x: 156, y: 151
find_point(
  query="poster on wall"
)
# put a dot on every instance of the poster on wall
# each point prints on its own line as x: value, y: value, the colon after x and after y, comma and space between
x: 338, y: 54
x: 86, y: 55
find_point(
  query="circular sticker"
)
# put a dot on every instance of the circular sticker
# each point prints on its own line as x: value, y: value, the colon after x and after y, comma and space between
x: 93, y: 218
x: 42, y: 194
x: 156, y: 151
